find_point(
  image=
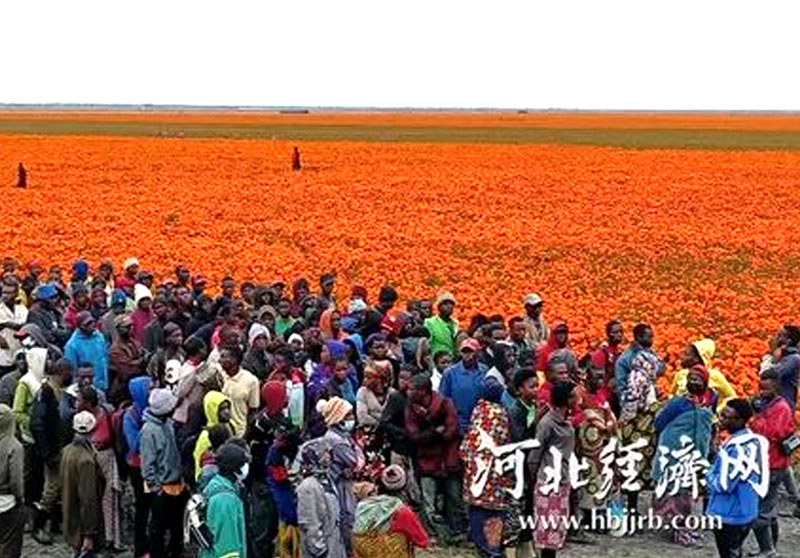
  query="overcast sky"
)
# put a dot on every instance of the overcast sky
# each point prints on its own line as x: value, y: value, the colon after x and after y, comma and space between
x: 601, y: 54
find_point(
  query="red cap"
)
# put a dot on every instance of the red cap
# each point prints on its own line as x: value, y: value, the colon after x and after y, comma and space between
x: 470, y: 344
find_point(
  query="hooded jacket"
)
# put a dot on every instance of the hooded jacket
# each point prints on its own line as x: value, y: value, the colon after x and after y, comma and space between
x: 211, y: 405
x: 775, y: 422
x: 133, y: 419
x: 27, y: 390
x: 92, y: 349
x: 12, y: 486
x: 161, y: 461
x: 716, y: 379
x: 735, y: 500
x: 225, y: 519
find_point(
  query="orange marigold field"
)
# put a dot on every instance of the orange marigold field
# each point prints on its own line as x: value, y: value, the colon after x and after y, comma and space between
x: 698, y: 243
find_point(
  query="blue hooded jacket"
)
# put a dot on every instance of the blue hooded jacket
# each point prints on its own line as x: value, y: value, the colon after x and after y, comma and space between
x: 133, y: 420
x: 737, y: 503
x: 92, y: 349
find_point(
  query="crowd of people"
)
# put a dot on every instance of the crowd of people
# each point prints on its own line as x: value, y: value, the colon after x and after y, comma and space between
x: 264, y: 421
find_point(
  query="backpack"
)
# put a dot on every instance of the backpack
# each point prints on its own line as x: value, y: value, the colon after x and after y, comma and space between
x: 195, y: 527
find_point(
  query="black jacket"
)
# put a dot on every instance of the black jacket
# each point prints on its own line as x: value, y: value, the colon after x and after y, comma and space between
x: 393, y: 423
x: 46, y: 424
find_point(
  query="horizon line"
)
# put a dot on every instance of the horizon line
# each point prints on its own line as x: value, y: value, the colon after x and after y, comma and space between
x: 156, y: 107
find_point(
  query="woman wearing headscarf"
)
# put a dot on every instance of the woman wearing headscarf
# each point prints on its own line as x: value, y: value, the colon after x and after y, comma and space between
x: 685, y: 420
x: 318, y: 512
x: 701, y: 352
x: 386, y: 527
x: 371, y: 397
x: 330, y: 324
x: 319, y: 382
x: 346, y: 458
x: 486, y: 495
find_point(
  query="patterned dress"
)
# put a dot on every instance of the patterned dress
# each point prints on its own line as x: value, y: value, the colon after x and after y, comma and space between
x: 639, y: 408
x: 485, y: 491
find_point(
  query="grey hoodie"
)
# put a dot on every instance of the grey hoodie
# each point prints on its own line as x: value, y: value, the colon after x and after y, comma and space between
x: 11, y: 462
x: 161, y: 461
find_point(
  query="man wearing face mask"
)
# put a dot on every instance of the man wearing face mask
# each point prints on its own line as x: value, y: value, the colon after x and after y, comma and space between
x: 225, y: 510
x: 346, y: 458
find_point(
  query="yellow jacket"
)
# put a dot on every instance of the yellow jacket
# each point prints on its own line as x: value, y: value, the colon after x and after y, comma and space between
x: 716, y: 379
x: 211, y: 404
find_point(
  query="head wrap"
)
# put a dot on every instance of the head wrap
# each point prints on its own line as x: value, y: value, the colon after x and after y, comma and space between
x: 80, y: 269
x: 393, y: 478
x: 273, y: 396
x: 141, y: 292
x: 598, y: 359
x: 257, y: 330
x: 315, y: 457
x: 492, y: 390
x: 333, y: 410
x: 296, y: 337
x: 337, y: 349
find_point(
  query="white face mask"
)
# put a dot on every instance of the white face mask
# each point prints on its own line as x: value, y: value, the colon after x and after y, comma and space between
x: 243, y: 472
x: 349, y: 425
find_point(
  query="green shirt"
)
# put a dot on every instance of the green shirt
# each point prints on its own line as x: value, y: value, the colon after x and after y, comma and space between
x: 282, y: 325
x: 443, y: 334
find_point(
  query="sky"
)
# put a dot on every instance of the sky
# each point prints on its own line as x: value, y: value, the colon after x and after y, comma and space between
x: 601, y: 54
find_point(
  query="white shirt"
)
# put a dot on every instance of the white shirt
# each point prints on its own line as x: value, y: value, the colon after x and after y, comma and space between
x: 18, y: 316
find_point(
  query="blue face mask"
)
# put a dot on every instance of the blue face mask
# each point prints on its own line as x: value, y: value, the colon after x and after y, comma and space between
x: 348, y: 425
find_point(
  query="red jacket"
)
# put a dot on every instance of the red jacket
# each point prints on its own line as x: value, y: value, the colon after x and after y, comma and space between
x: 437, y: 454
x: 775, y: 422
x: 406, y: 522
